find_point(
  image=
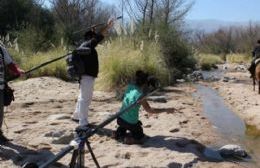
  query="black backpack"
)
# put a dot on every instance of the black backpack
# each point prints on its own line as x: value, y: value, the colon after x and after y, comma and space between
x: 75, y: 62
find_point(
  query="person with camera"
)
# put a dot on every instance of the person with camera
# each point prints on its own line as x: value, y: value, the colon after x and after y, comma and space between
x: 6, y: 63
x: 129, y: 121
x: 91, y: 67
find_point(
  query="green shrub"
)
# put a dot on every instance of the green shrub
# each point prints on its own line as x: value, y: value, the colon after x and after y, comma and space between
x: 32, y: 40
x: 177, y: 53
x: 208, y: 61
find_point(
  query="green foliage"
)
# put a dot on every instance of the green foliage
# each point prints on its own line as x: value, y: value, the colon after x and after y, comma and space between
x: 177, y: 54
x: 14, y: 14
x: 33, y: 25
x: 31, y: 40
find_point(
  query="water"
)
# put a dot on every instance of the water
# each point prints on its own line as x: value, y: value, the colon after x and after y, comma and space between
x: 220, y: 116
x: 232, y: 128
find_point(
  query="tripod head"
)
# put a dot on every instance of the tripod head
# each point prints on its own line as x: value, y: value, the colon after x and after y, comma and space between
x: 83, y: 132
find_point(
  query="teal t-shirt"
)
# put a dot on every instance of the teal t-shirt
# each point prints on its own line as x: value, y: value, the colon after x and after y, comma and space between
x: 131, y: 94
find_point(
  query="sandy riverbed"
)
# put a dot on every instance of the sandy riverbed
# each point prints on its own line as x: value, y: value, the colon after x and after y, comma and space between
x: 39, y: 124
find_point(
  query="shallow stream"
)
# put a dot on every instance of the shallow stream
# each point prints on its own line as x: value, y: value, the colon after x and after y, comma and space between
x: 231, y: 127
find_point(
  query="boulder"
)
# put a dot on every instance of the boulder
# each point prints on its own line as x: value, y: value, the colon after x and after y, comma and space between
x: 232, y: 150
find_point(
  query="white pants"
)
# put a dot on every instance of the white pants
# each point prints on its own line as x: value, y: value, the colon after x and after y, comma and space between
x: 84, y: 99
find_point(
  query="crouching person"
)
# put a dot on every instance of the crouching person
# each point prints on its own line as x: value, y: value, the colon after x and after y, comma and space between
x: 129, y: 121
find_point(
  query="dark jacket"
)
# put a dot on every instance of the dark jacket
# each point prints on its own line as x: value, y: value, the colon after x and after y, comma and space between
x: 256, y: 51
x: 91, y: 61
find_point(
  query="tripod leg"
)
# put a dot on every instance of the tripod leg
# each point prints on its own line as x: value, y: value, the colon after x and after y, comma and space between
x: 92, y: 154
x: 81, y: 159
x: 74, y: 158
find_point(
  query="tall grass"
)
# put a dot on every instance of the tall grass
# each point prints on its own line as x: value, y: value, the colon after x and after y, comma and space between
x: 238, y: 58
x: 120, y: 59
x: 27, y: 62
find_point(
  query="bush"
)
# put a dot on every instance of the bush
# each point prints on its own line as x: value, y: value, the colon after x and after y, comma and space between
x: 32, y: 40
x: 208, y: 61
x: 177, y: 53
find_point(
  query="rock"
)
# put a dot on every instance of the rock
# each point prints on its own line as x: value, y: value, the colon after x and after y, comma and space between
x: 232, y: 151
x: 195, y: 76
x: 148, y: 126
x: 64, y: 139
x: 57, y: 117
x: 240, y: 68
x: 27, y: 104
x: 160, y: 99
x: 225, y: 67
x: 55, y: 134
x: 175, y: 130
x: 213, y: 78
x: 180, y: 80
x: 127, y: 155
x: 183, y: 122
x: 225, y: 79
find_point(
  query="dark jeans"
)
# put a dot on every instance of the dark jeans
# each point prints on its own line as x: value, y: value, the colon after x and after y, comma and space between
x: 136, y: 130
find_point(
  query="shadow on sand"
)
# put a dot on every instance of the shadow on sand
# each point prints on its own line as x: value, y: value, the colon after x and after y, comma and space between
x: 21, y: 155
x: 183, y: 145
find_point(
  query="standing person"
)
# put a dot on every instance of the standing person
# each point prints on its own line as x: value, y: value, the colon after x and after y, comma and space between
x: 256, y: 55
x: 6, y: 62
x: 91, y: 72
x: 129, y: 121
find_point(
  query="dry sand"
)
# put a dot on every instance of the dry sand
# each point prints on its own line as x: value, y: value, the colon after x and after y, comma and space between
x: 40, y: 126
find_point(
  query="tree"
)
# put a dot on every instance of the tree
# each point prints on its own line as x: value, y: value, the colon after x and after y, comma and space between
x: 73, y: 15
x: 14, y: 14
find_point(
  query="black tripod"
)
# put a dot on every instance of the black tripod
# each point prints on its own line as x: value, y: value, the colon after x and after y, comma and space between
x: 78, y: 147
x: 77, y: 159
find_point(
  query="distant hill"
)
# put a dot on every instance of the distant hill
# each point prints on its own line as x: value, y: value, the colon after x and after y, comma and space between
x: 212, y: 25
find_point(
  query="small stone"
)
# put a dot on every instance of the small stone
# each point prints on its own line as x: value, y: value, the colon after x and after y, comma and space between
x: 148, y: 126
x: 175, y: 130
x: 127, y: 155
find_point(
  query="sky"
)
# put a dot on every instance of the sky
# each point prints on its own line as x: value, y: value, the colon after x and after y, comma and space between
x: 224, y: 10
